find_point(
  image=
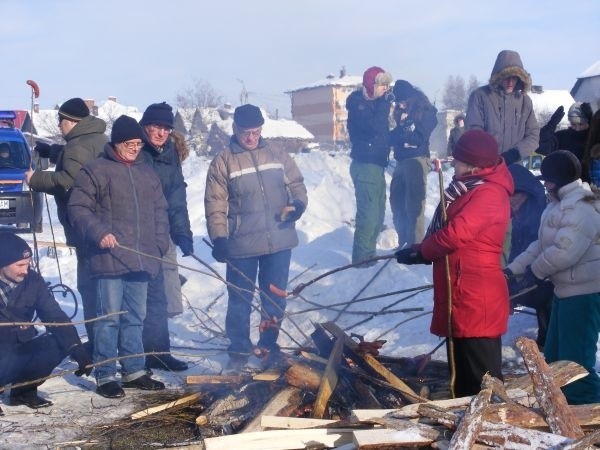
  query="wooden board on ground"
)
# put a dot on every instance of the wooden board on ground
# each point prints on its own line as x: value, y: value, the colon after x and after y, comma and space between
x: 184, y: 401
x: 280, y: 440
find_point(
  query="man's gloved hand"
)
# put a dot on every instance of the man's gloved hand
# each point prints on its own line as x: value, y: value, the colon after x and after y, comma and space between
x: 518, y: 284
x: 43, y: 149
x: 292, y: 212
x: 410, y: 256
x: 83, y: 359
x: 185, y: 243
x: 221, y: 249
x: 511, y: 156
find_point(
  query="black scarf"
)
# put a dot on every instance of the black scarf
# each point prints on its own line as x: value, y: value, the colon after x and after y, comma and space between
x: 455, y: 189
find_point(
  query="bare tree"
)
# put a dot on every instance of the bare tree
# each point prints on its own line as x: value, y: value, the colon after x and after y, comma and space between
x: 473, y: 84
x: 454, y: 93
x: 200, y: 95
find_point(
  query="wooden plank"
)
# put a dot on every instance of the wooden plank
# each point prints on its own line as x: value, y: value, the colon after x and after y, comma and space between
x: 280, y: 439
x: 285, y: 399
x: 469, y: 426
x: 215, y: 379
x: 304, y: 377
x: 587, y: 416
x: 184, y: 401
x: 329, y: 380
x: 551, y: 399
x: 372, y: 362
x: 387, y: 438
x: 292, y: 423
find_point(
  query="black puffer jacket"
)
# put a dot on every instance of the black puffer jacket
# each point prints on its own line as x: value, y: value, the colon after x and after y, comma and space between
x: 29, y: 298
x: 368, y: 128
x: 167, y: 166
x: 126, y: 200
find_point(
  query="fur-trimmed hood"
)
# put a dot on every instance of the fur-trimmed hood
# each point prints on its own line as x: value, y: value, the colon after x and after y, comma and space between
x: 508, y: 63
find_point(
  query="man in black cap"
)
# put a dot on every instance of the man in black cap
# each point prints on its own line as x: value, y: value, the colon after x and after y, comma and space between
x: 85, y: 140
x: 165, y: 153
x: 23, y: 356
x: 254, y: 195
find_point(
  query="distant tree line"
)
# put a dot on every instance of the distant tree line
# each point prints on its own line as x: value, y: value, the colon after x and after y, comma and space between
x: 457, y: 92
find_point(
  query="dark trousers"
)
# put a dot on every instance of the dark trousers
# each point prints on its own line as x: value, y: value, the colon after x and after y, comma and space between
x: 156, y: 324
x: 29, y: 361
x: 241, y: 276
x: 86, y: 285
x: 473, y: 357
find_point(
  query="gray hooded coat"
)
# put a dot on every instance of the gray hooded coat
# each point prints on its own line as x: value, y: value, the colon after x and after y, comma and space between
x: 508, y: 117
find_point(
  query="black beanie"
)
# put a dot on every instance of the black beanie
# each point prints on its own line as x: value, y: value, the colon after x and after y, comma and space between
x: 403, y: 90
x: 124, y: 129
x: 158, y: 114
x: 560, y: 167
x: 248, y: 116
x: 13, y: 247
x: 73, y: 109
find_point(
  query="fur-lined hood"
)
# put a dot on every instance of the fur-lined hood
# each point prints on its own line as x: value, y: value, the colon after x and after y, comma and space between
x: 508, y: 64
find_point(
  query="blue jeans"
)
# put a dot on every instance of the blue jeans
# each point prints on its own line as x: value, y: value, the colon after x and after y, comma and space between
x: 241, y: 276
x: 120, y: 334
x: 369, y: 190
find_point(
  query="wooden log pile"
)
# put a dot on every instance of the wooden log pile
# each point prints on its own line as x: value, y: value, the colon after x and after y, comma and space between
x: 346, y: 399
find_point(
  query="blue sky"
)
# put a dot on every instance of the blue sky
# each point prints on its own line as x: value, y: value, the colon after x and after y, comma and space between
x: 148, y: 51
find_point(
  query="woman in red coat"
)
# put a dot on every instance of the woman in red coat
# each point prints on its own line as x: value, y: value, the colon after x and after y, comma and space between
x: 478, y: 213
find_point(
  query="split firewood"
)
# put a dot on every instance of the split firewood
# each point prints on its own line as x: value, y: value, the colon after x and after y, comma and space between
x: 503, y: 435
x: 587, y: 416
x: 496, y: 386
x: 585, y: 442
x: 563, y: 373
x: 373, y: 364
x: 280, y: 404
x: 329, y: 381
x: 441, y: 415
x: 304, y: 376
x: 549, y: 396
x: 412, y: 435
x: 468, y: 428
x: 184, y: 401
x: 293, y: 423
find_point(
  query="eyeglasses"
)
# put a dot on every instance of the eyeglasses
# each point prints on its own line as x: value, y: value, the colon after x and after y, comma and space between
x: 163, y: 128
x: 250, y: 133
x: 132, y: 145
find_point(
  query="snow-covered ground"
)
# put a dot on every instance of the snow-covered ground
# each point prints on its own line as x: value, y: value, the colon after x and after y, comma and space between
x: 325, y: 230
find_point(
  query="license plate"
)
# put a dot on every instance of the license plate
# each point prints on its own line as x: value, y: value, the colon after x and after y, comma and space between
x: 4, y: 204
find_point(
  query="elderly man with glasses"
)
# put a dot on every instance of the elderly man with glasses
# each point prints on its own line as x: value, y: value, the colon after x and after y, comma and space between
x: 117, y: 205
x: 165, y: 151
x: 254, y: 195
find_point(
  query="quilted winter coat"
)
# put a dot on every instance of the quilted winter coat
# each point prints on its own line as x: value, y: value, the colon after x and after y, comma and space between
x: 472, y: 238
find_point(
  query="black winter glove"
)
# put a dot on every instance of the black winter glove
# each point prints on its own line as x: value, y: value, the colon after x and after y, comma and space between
x: 511, y: 156
x: 83, y: 359
x: 185, y: 243
x: 43, y: 149
x: 292, y: 216
x: 519, y: 284
x: 586, y: 110
x: 220, y: 249
x: 410, y: 256
x: 556, y: 118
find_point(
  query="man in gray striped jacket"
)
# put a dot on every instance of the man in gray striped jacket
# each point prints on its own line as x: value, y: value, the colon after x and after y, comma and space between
x: 254, y: 195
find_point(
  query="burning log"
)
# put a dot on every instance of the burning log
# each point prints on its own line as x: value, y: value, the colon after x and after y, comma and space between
x: 551, y: 399
x: 329, y: 381
x: 304, y: 376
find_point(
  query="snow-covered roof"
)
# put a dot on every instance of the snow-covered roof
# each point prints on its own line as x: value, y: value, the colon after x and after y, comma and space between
x: 592, y: 71
x: 547, y: 102
x: 347, y: 80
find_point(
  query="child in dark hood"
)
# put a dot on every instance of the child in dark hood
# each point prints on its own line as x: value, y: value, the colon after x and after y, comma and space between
x: 526, y: 205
